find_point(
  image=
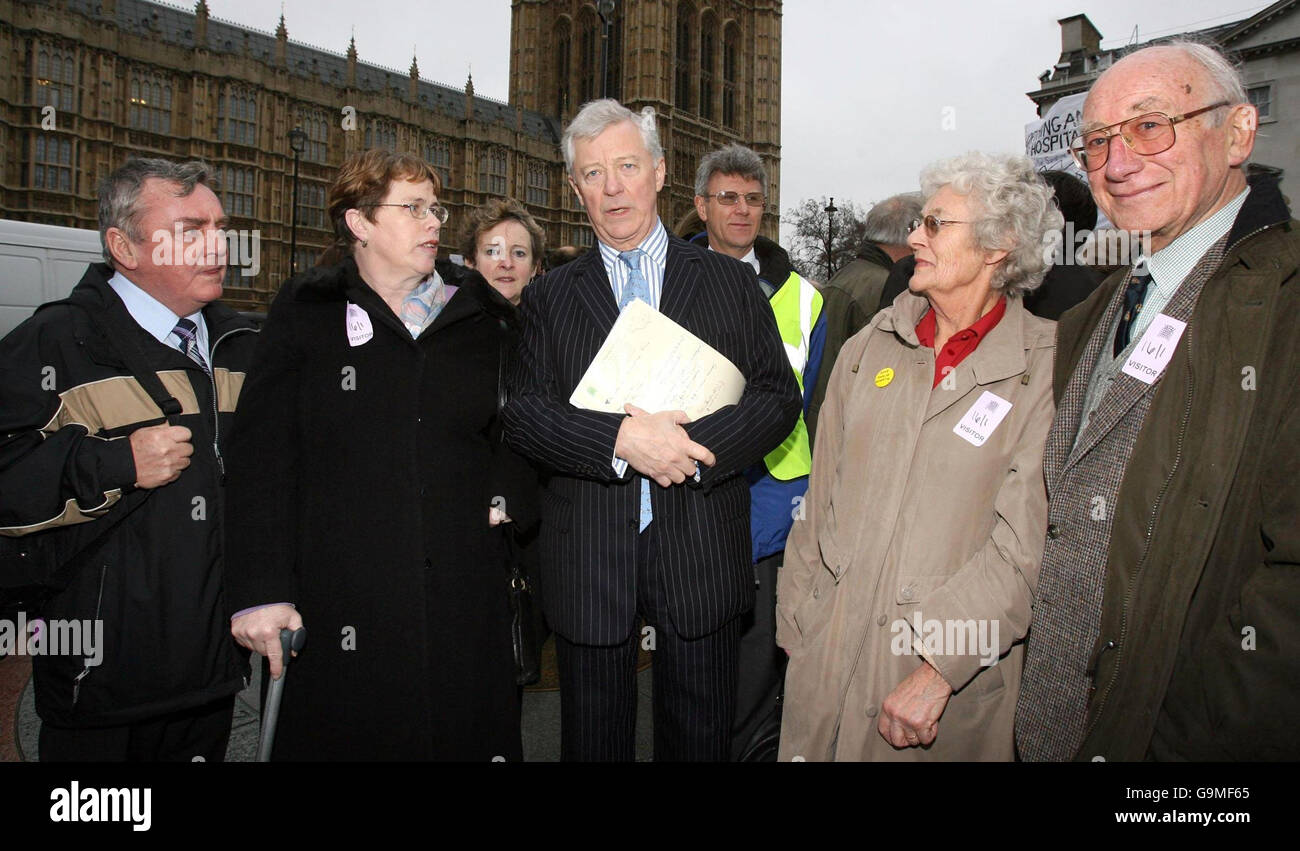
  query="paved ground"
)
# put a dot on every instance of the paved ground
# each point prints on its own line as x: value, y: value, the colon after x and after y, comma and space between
x: 20, y: 726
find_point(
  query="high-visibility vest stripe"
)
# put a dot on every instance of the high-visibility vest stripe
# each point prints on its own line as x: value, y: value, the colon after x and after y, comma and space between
x: 796, y: 305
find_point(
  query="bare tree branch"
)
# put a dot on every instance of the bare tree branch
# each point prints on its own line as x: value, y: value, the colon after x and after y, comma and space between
x: 813, y: 241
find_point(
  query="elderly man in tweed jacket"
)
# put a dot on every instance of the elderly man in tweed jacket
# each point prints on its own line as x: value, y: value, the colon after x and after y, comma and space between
x: 1168, y: 606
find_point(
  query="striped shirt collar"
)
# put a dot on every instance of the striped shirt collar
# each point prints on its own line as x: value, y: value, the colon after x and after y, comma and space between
x: 1171, y: 264
x: 655, y: 247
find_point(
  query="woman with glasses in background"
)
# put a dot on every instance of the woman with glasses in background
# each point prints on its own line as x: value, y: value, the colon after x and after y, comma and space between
x: 367, y: 482
x: 910, y: 570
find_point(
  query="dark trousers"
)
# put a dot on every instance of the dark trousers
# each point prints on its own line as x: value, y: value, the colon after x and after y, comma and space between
x: 694, y: 686
x: 762, y: 662
x: 185, y: 736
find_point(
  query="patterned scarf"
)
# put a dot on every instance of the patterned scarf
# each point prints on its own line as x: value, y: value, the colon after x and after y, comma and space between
x: 424, y: 303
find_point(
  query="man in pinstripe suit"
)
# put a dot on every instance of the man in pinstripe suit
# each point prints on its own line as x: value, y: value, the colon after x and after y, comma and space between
x: 645, y: 514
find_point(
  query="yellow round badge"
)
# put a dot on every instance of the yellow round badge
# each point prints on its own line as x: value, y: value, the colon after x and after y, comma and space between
x: 883, y: 377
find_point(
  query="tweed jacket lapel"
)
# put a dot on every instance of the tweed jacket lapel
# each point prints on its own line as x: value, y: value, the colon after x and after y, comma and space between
x: 1126, y: 390
x: 1065, y: 644
x: 594, y: 290
x: 1062, y: 447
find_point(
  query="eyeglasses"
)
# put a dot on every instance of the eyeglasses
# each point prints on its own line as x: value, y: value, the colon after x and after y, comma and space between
x: 1147, y: 134
x: 731, y: 199
x: 420, y: 212
x: 932, y: 224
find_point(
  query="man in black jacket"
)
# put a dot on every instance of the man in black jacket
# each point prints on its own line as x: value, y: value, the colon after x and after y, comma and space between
x: 128, y: 498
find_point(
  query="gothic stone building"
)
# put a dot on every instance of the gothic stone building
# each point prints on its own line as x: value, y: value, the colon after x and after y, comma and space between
x: 1266, y: 45
x: 87, y: 83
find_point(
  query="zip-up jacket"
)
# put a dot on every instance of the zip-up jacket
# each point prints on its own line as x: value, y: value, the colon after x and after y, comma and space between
x: 774, y: 503
x: 1195, y: 657
x: 147, y: 564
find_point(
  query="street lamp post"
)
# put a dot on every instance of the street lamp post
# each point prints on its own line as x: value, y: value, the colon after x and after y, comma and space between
x: 297, y: 144
x: 831, y: 210
x: 605, y: 8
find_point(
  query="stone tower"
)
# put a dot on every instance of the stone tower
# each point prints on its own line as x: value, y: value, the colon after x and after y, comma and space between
x: 710, y: 68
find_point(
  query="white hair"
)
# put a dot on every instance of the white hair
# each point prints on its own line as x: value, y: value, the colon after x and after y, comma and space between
x: 1011, y: 208
x: 1224, y: 77
x: 598, y: 116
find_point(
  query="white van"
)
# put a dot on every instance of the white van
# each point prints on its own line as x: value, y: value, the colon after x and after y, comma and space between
x: 40, y: 263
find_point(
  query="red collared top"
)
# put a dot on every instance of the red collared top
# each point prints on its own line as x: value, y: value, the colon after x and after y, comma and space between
x: 962, y: 343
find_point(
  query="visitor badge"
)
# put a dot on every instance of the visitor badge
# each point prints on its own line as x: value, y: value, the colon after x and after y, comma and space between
x: 982, y: 418
x: 359, y: 328
x: 1153, y: 352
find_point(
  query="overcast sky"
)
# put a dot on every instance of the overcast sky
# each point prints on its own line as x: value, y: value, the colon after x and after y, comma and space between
x: 864, y: 86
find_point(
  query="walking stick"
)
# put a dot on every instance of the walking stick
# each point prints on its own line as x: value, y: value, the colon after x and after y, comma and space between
x: 290, y: 640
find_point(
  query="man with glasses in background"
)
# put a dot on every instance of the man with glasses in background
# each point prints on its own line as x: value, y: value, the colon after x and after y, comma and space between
x: 1168, y: 604
x: 730, y: 194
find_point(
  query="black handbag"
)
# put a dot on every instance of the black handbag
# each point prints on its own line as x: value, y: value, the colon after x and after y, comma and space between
x: 523, y: 637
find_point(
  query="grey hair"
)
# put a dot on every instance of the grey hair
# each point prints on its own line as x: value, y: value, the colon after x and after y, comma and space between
x: 734, y: 159
x: 597, y: 116
x: 119, y: 193
x: 1224, y: 76
x: 890, y: 221
x: 1012, y: 210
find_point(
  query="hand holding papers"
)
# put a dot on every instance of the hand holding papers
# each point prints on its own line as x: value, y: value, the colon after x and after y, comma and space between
x: 650, y: 361
x: 657, y: 447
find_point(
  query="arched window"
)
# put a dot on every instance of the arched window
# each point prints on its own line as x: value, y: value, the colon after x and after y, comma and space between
x: 588, y: 56
x: 708, y: 56
x: 150, y: 105
x: 53, y: 166
x: 237, y: 117
x: 492, y: 172
x: 437, y: 153
x: 539, y: 184
x: 563, y: 60
x: 237, y: 192
x: 55, y: 82
x: 316, y: 125
x: 684, y: 59
x: 730, y: 74
x: 311, y: 206
x: 381, y: 134
x: 615, y: 73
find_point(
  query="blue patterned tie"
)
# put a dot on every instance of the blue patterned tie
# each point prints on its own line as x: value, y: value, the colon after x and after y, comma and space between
x: 188, y: 333
x: 637, y: 287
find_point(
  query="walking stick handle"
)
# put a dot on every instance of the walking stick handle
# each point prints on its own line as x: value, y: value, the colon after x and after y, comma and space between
x: 290, y: 640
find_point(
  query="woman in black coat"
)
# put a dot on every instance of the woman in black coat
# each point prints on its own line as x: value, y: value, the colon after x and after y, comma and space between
x: 363, y: 465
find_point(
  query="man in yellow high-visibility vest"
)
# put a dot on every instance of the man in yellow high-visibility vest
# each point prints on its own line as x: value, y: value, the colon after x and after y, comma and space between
x: 730, y: 197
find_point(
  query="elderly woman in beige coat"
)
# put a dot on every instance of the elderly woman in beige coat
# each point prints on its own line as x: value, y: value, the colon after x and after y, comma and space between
x: 908, y: 579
